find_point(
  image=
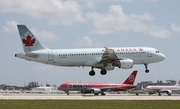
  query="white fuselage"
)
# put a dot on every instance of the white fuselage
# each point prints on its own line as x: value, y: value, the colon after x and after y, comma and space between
x: 161, y: 88
x: 91, y: 56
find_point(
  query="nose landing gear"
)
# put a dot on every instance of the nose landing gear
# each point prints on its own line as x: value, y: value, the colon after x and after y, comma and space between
x: 146, y: 67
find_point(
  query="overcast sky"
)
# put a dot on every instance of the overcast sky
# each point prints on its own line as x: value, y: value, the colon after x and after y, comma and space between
x: 89, y: 23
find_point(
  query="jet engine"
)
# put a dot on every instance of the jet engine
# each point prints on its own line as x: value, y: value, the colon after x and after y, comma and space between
x: 96, y: 91
x: 126, y: 64
x: 169, y: 92
x: 93, y: 90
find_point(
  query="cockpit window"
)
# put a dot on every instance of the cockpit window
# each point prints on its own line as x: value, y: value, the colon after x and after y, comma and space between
x: 157, y: 52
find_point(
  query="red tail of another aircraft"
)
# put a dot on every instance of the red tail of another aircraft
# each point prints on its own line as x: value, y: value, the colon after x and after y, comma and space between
x: 131, y: 78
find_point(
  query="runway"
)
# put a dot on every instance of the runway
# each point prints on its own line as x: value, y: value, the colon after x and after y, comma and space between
x: 86, y: 97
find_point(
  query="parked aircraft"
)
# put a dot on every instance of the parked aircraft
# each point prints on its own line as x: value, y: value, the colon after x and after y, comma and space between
x: 44, y: 90
x: 99, y: 88
x: 102, y: 58
x: 163, y: 89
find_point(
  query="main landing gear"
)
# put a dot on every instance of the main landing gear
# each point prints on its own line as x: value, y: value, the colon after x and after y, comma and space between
x: 103, y: 72
x: 159, y: 94
x: 67, y: 92
x: 103, y: 93
x: 147, y: 70
x: 92, y: 72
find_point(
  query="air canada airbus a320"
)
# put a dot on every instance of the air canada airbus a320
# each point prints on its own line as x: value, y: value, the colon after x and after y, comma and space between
x: 101, y: 58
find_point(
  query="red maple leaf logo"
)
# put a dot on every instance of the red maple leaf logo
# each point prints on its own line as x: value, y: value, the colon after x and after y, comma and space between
x: 28, y: 41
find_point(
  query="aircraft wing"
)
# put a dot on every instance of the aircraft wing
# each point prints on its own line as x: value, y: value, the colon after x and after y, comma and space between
x: 105, y: 88
x: 164, y: 90
x: 110, y: 88
x: 102, y: 89
x: 168, y: 90
x: 109, y: 56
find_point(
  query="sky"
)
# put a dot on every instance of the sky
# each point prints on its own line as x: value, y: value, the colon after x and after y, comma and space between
x: 61, y: 24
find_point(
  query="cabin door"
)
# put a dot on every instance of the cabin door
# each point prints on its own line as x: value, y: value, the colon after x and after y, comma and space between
x: 50, y: 56
x: 149, y: 54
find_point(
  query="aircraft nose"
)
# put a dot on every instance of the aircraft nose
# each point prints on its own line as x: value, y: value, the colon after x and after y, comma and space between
x: 59, y: 88
x: 163, y: 56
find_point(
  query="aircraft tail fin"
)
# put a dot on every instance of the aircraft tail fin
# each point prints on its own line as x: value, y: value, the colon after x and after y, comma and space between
x: 131, y: 78
x: 29, y: 41
x: 142, y: 87
x: 178, y: 82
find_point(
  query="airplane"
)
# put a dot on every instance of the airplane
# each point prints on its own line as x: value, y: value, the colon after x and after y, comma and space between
x: 99, y: 88
x: 163, y: 89
x: 105, y: 59
x: 44, y: 90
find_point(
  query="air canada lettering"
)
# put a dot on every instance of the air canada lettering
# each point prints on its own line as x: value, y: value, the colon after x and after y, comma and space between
x: 125, y: 50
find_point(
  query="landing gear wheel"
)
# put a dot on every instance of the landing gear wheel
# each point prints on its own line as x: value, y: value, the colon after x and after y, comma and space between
x: 103, y: 72
x: 67, y: 92
x: 103, y: 94
x: 92, y: 73
x: 96, y: 94
x: 147, y: 70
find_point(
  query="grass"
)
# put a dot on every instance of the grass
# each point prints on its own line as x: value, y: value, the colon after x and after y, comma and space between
x: 89, y: 104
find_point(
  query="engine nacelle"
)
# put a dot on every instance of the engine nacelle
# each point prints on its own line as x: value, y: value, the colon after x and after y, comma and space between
x: 109, y: 67
x: 126, y: 64
x: 96, y: 90
x: 92, y: 90
x: 169, y: 92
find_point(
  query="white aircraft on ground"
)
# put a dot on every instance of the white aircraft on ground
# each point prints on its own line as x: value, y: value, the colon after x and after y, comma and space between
x: 163, y: 88
x: 102, y: 58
